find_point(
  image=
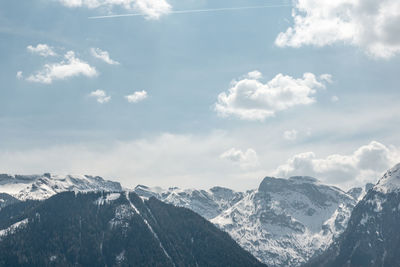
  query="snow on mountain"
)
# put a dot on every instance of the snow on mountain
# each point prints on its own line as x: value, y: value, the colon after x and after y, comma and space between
x: 390, y: 182
x: 208, y: 203
x: 372, y: 236
x: 358, y: 193
x: 44, y: 186
x: 283, y: 223
x: 11, y: 229
x: 286, y: 221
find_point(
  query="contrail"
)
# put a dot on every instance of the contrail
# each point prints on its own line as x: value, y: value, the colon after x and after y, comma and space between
x: 191, y: 11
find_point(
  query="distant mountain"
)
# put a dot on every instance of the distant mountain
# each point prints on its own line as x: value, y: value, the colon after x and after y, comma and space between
x: 358, y: 193
x: 44, y: 186
x: 283, y: 223
x: 372, y: 237
x: 207, y: 203
x: 112, y: 229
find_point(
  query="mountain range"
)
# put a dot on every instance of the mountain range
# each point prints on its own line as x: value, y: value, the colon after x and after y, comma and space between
x: 284, y: 222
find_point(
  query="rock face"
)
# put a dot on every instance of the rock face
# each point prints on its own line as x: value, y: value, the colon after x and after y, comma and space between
x: 112, y: 229
x: 44, y: 186
x: 372, y: 237
x: 283, y: 222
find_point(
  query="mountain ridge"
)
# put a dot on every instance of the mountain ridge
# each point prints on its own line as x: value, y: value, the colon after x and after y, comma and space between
x: 43, y: 186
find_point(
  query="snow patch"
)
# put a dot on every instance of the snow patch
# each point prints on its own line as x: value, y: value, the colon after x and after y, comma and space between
x: 120, y: 257
x: 13, y: 228
x: 364, y: 219
x: 390, y: 182
x: 107, y: 198
x: 149, y: 227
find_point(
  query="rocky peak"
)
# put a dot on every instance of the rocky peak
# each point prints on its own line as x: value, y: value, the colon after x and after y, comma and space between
x: 390, y: 182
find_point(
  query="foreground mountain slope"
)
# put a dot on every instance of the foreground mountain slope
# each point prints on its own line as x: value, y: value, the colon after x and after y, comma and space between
x: 112, y: 229
x: 372, y: 237
x: 44, y: 186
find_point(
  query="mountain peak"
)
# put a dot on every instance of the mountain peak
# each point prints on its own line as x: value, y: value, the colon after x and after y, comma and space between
x: 390, y: 182
x: 46, y: 185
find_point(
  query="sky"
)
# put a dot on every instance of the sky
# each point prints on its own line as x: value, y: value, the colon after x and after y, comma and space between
x: 200, y: 93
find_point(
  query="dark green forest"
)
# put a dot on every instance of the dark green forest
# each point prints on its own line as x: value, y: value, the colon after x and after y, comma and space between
x: 85, y: 229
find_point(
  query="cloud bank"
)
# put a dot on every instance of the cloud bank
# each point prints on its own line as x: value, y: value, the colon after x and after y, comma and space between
x: 364, y: 165
x: 250, y: 99
x: 372, y: 25
x: 163, y: 160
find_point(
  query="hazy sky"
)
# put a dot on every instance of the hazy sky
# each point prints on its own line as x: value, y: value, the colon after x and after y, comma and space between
x: 196, y: 99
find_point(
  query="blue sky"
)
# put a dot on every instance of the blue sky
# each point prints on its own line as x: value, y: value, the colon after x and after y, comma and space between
x: 340, y: 124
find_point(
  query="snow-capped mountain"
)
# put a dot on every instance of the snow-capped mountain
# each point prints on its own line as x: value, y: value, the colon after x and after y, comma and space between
x: 286, y: 221
x: 372, y: 237
x: 208, y: 203
x: 283, y: 222
x: 44, y: 186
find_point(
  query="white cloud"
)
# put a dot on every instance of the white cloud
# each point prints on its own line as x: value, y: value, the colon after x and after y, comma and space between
x: 255, y: 75
x: 364, y: 165
x: 103, y: 55
x: 290, y: 135
x: 100, y: 96
x: 250, y: 99
x: 19, y: 75
x: 42, y: 49
x: 70, y: 67
x: 334, y: 98
x: 370, y: 24
x: 152, y: 9
x: 248, y: 159
x: 137, y: 96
